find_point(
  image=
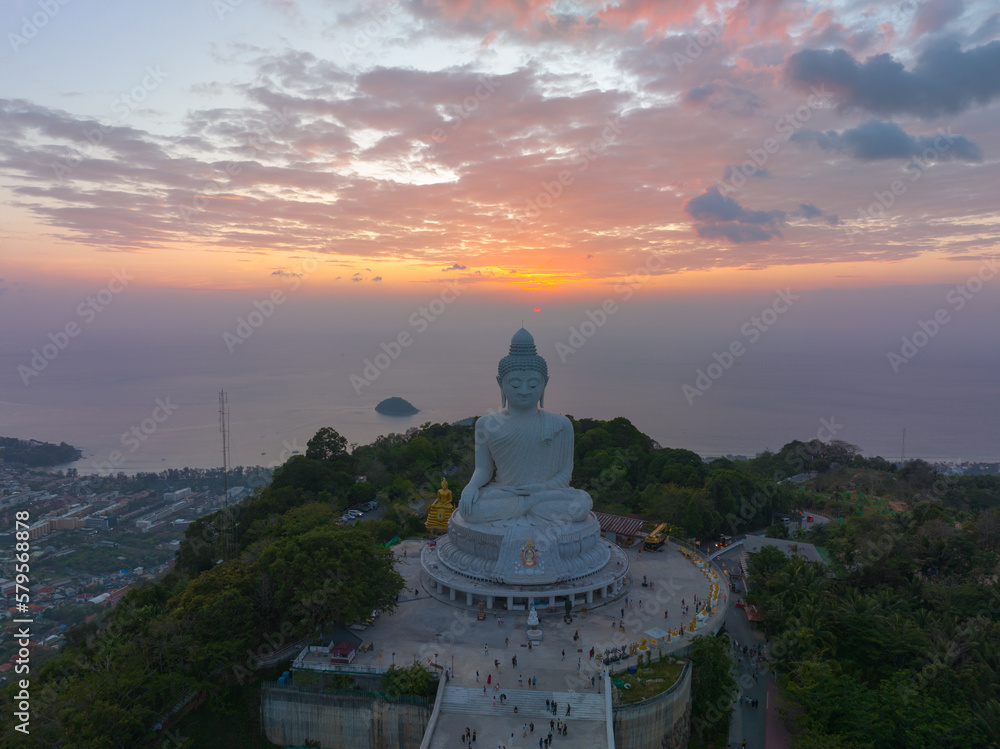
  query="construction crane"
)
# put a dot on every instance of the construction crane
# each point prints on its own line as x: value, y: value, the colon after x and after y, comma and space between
x: 657, y: 538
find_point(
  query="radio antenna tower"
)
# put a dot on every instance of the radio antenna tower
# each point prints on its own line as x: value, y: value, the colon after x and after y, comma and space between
x: 228, y: 530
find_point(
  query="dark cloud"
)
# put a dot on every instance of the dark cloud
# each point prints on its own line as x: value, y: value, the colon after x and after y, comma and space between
x: 886, y: 140
x: 377, y: 278
x: 719, y: 216
x: 725, y: 96
x: 735, y: 171
x: 945, y: 80
x: 987, y: 30
x: 809, y: 211
x: 453, y: 266
x: 286, y: 274
x: 934, y: 15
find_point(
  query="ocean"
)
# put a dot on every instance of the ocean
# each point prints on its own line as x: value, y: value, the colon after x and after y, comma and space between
x: 141, y: 393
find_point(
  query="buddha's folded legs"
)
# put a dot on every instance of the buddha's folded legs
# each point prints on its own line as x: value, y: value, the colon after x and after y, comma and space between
x: 493, y: 506
x: 561, y: 505
x: 565, y: 505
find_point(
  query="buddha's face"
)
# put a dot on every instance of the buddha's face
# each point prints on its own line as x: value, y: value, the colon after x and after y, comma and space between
x: 523, y: 389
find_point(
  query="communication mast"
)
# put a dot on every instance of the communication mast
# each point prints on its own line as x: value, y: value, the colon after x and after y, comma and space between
x: 228, y: 527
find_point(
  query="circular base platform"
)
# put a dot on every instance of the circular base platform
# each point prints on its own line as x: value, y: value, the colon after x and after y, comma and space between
x: 590, y: 589
x: 523, y: 551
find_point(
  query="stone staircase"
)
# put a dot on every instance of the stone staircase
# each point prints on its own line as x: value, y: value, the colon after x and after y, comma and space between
x: 530, y: 703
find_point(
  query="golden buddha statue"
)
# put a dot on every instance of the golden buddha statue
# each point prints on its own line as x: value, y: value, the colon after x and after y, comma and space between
x: 439, y: 512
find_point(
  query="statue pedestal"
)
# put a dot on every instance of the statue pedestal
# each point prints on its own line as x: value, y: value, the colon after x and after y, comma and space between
x: 522, y: 552
x: 534, y: 630
x: 495, y: 563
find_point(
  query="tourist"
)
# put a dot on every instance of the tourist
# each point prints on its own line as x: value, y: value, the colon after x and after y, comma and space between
x: 513, y: 662
x: 531, y: 728
x: 486, y: 648
x: 547, y: 705
x: 506, y: 641
x: 564, y: 654
x: 477, y: 676
x: 473, y: 735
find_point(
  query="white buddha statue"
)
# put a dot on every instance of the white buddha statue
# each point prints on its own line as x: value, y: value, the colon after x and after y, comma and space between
x: 524, y: 454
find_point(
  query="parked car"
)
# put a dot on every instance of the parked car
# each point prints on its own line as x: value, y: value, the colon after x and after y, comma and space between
x: 809, y: 518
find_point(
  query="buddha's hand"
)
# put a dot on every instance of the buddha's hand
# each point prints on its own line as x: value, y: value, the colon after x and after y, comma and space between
x: 525, y: 490
x: 469, y: 496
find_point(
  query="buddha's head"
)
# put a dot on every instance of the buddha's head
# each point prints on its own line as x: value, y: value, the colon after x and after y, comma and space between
x: 444, y: 483
x: 522, y: 374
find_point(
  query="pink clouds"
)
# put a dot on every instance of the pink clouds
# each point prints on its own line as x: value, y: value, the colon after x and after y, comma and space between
x: 611, y: 146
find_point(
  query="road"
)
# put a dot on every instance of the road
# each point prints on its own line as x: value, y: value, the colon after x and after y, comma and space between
x: 748, y: 723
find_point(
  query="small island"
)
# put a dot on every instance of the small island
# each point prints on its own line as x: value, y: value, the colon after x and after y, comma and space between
x: 37, y: 454
x: 396, y: 407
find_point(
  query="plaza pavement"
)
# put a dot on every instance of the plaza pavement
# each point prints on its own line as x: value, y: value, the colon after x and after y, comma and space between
x: 447, y: 632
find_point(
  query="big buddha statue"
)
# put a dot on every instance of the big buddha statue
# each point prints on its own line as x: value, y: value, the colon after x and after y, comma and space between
x: 524, y: 454
x: 519, y: 520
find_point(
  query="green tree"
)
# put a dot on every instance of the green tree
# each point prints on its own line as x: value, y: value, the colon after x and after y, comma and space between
x: 411, y: 680
x: 327, y: 444
x: 333, y: 573
x: 713, y: 685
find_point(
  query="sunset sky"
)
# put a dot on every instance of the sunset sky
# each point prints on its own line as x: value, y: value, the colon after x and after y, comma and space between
x: 541, y: 145
x: 542, y: 153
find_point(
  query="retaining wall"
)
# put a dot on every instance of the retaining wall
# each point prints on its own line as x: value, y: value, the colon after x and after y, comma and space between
x: 341, y: 721
x: 661, y: 722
